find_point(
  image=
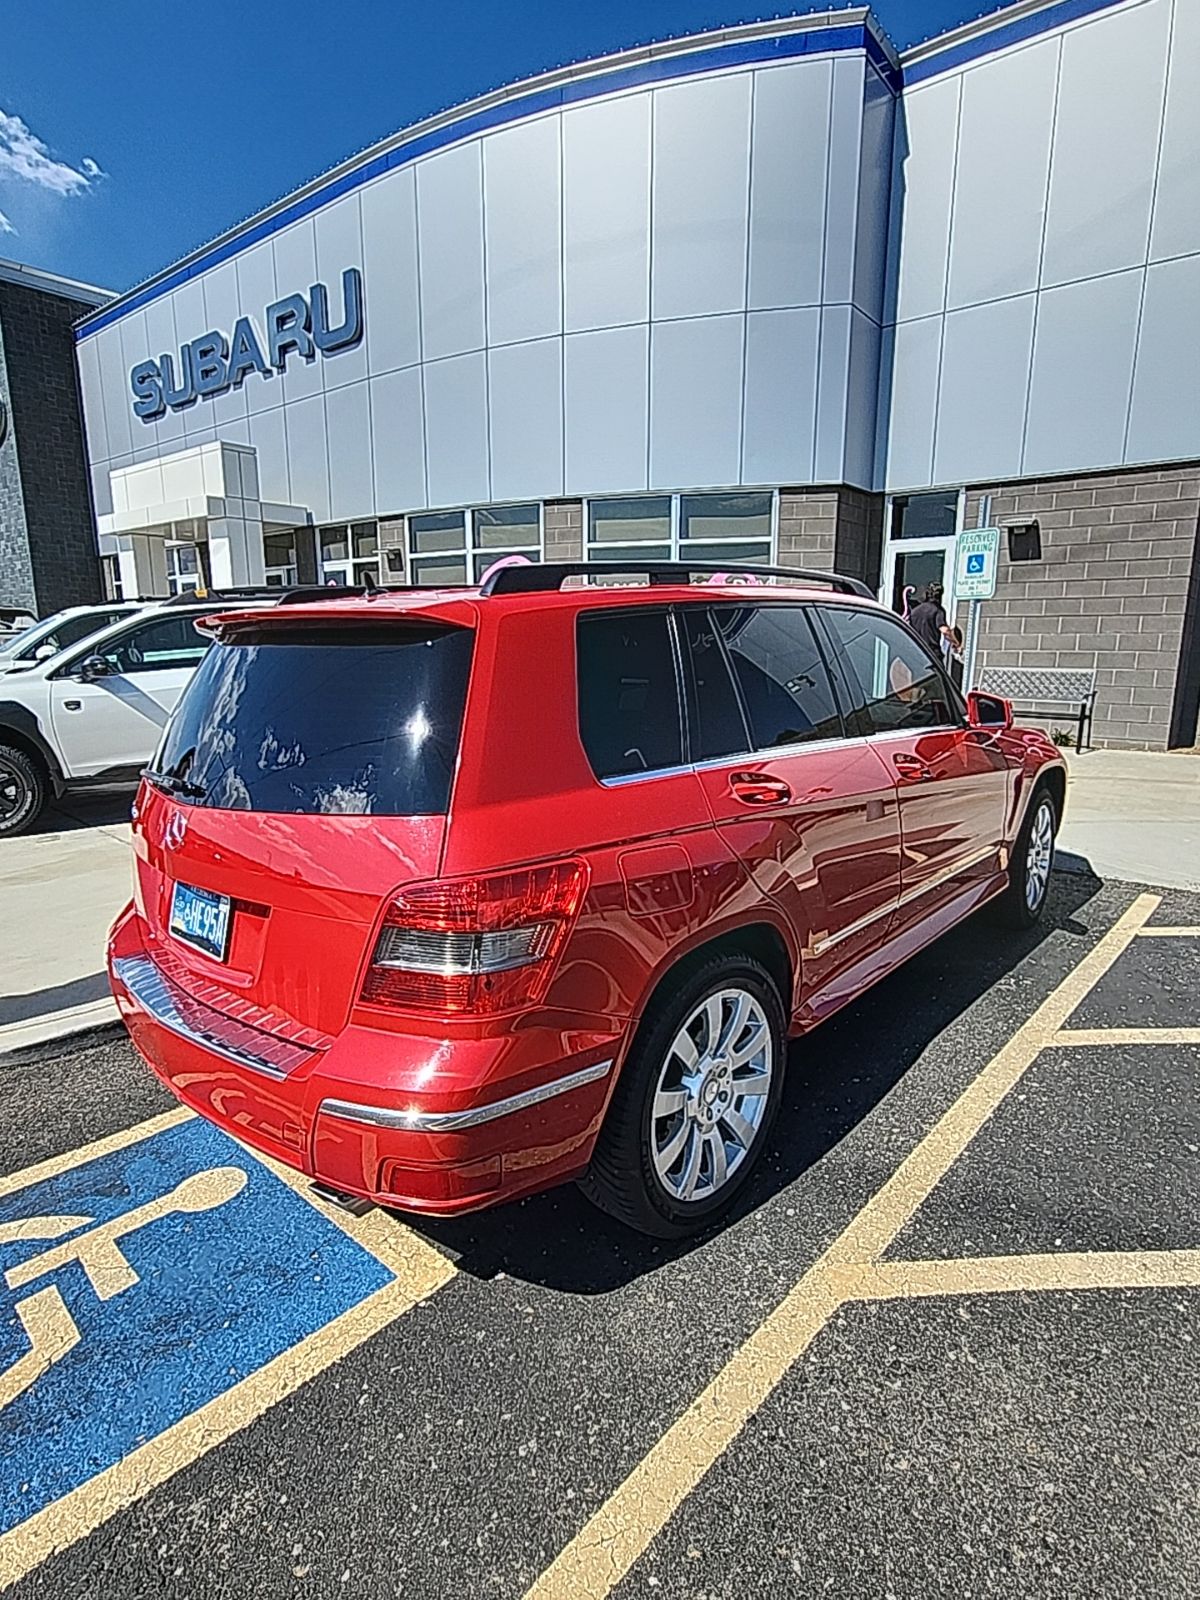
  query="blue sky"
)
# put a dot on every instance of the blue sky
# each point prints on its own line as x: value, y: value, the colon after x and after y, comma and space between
x: 132, y: 134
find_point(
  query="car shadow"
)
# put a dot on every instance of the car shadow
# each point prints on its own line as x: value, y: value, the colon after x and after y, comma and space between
x: 560, y: 1241
x: 105, y: 808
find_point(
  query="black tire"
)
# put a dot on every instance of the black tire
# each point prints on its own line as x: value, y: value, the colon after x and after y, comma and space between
x: 1023, y: 901
x: 623, y: 1179
x: 23, y: 790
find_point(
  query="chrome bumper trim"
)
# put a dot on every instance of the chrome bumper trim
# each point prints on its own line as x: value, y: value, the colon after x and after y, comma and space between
x: 455, y: 1121
x: 200, y: 1024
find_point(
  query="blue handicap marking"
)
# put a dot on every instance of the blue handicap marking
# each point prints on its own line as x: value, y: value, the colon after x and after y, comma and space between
x: 974, y: 564
x: 141, y: 1285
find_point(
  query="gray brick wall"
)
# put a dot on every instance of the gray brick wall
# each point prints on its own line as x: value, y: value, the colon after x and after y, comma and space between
x: 16, y: 569
x: 391, y: 537
x: 46, y: 441
x: 563, y: 530
x: 1111, y: 589
x: 832, y: 529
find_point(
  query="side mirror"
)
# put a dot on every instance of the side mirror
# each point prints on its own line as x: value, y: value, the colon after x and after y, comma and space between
x: 989, y: 711
x: 93, y: 667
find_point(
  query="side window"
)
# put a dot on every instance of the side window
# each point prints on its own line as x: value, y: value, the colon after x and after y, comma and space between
x: 629, y: 714
x: 153, y: 646
x: 892, y: 682
x: 714, y: 714
x: 784, y: 684
x: 76, y: 628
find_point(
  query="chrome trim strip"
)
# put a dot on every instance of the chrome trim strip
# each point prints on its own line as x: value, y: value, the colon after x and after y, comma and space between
x: 905, y: 899
x: 155, y: 994
x: 454, y: 1121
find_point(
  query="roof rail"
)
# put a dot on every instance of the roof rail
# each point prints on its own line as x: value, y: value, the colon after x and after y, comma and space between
x: 549, y: 575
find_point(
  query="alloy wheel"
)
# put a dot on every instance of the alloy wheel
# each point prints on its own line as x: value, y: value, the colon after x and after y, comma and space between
x: 712, y: 1095
x: 1039, y: 854
x: 14, y: 791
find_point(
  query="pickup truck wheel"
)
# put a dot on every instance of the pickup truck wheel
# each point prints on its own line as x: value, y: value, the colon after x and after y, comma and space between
x: 23, y: 790
x: 695, y: 1103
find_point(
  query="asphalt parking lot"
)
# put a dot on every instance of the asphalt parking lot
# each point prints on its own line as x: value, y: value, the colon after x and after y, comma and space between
x: 947, y: 1347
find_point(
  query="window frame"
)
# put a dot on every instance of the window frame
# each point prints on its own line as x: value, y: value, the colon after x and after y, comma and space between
x: 598, y: 550
x: 140, y: 624
x: 669, y: 612
x: 469, y: 549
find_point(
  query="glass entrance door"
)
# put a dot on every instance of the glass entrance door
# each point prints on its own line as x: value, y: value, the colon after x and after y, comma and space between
x: 910, y: 566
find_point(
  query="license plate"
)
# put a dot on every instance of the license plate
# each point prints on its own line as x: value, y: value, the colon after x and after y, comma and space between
x: 201, y: 918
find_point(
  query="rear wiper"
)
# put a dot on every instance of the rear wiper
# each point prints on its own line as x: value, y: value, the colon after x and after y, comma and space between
x: 170, y: 784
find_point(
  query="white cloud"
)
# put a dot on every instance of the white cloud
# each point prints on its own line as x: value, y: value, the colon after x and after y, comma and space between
x: 26, y: 157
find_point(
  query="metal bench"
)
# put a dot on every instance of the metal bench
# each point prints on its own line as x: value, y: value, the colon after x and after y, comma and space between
x: 1048, y: 686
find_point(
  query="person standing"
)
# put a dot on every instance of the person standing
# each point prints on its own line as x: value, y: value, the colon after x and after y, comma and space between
x: 928, y: 621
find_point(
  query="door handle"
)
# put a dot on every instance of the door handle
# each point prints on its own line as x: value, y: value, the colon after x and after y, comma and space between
x: 759, y: 789
x: 912, y: 767
x: 72, y: 705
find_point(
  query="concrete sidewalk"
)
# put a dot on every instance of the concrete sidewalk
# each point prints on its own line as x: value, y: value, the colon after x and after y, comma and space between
x: 1134, y: 815
x: 1130, y: 815
x: 60, y: 889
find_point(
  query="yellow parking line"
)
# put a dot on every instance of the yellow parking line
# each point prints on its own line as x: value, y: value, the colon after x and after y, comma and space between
x: 621, y: 1530
x: 1082, y: 1036
x: 1169, y: 933
x: 1111, y: 1269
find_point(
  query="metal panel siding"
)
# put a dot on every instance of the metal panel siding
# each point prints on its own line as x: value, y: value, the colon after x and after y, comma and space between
x: 981, y: 399
x: 161, y: 338
x: 909, y: 399
x: 789, y: 161
x: 267, y: 435
x: 391, y: 306
x: 607, y: 410
x: 295, y: 272
x: 351, y: 481
x: 1164, y: 419
x: 221, y: 311
x: 1176, y: 227
x: 117, y: 397
x: 339, y: 245
x: 1105, y: 143
x: 874, y: 196
x: 91, y: 391
x: 256, y: 291
x: 695, y: 402
x: 1082, y: 368
x: 926, y: 134
x: 308, y: 467
x: 781, y: 395
x: 522, y: 206
x: 862, y: 386
x: 450, y: 242
x: 833, y: 395
x: 606, y: 213
x: 525, y: 399
x: 1001, y: 176
x: 841, y: 200
x: 700, y: 196
x: 398, y: 436
x: 456, y: 422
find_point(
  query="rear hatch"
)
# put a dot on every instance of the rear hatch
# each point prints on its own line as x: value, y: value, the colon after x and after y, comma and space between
x: 304, y: 778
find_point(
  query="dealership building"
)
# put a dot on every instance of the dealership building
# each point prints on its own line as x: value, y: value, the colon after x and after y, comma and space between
x: 768, y: 294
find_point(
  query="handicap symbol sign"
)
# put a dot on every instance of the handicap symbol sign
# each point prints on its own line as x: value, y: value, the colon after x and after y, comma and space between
x: 975, y: 564
x: 141, y: 1286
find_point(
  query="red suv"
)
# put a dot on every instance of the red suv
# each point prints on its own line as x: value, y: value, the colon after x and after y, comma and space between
x: 444, y: 897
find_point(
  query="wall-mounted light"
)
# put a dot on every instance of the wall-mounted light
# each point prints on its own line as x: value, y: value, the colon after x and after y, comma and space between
x: 395, y: 559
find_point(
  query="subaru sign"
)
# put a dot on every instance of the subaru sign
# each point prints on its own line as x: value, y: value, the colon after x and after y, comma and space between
x: 298, y: 325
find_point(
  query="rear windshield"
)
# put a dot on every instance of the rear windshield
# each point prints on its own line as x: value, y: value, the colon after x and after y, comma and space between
x: 330, y: 720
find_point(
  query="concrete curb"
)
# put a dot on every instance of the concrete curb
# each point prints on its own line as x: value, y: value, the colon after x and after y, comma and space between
x: 39, y: 1036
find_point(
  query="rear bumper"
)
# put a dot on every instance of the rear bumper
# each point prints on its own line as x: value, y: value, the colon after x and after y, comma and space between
x: 422, y: 1122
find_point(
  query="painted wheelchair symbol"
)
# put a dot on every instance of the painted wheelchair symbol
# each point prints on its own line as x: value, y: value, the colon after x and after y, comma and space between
x: 48, y: 1324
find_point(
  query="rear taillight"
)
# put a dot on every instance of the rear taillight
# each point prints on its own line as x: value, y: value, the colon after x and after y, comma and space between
x: 475, y: 946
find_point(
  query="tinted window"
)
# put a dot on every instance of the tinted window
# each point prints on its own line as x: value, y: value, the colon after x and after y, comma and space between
x: 714, y: 715
x: 154, y: 646
x: 890, y: 678
x: 784, y: 685
x: 324, y: 720
x: 71, y: 630
x: 629, y: 716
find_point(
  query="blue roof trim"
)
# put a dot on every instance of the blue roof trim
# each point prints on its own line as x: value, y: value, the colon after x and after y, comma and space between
x: 662, y: 69
x: 1009, y: 33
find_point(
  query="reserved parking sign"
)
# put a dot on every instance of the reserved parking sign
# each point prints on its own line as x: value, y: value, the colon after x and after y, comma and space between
x: 976, y: 557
